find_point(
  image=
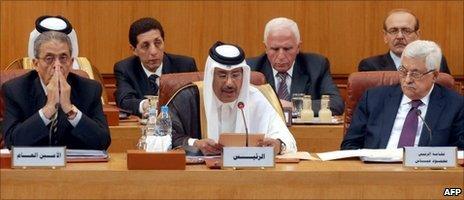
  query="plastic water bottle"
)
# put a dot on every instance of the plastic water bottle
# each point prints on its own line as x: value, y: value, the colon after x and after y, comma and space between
x: 151, y: 122
x: 163, y: 123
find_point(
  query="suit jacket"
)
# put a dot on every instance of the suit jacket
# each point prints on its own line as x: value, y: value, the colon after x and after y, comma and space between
x: 375, y: 115
x: 132, y: 82
x: 311, y: 75
x: 25, y: 96
x: 385, y: 62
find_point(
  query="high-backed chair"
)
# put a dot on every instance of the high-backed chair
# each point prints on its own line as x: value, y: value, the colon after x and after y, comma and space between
x: 359, y: 82
x: 171, y: 83
x: 84, y: 64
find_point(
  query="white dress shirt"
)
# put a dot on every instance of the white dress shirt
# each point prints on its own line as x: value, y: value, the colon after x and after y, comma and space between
x: 288, y: 80
x: 403, y: 110
x: 396, y: 59
x: 149, y: 73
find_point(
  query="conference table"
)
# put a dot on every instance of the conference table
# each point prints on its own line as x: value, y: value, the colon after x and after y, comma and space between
x: 348, y: 179
x: 311, y: 138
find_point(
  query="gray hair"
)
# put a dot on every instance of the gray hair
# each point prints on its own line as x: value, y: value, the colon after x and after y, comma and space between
x: 424, y: 49
x: 49, y: 36
x: 279, y: 23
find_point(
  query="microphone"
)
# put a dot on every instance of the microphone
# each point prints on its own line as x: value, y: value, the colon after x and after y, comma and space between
x: 240, y: 106
x: 418, y: 113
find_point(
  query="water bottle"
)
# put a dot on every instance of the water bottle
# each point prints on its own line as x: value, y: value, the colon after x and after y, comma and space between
x: 151, y: 122
x: 163, y: 123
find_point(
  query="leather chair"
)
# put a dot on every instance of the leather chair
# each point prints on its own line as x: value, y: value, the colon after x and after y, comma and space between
x: 359, y: 82
x: 171, y: 83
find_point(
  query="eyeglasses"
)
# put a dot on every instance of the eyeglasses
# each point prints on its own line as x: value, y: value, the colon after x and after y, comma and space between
x: 404, y: 31
x: 414, y: 74
x: 50, y: 59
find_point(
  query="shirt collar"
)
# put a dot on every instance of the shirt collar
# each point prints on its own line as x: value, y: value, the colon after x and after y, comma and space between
x: 289, y: 71
x: 157, y: 72
x: 425, y: 99
x: 396, y: 59
x: 44, y: 87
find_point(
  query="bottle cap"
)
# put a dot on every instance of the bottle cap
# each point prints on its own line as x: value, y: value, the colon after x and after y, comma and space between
x: 164, y: 109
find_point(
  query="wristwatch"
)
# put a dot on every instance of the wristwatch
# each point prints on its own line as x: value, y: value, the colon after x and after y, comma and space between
x: 72, y: 113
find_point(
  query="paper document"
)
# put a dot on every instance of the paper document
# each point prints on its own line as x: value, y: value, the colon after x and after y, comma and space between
x: 376, y: 155
x: 302, y: 155
x: 4, y: 151
x: 80, y: 155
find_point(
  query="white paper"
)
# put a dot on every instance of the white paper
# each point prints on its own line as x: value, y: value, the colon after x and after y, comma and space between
x: 302, y: 155
x: 4, y: 151
x: 158, y: 143
x: 460, y: 154
x: 367, y: 154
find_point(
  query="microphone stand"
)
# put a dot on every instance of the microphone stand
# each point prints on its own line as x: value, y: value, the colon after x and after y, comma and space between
x: 418, y: 113
x: 241, y: 106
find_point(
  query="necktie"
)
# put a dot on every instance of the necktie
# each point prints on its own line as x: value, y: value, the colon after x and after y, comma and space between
x: 408, y: 133
x: 53, y: 128
x: 153, y: 90
x: 282, y: 91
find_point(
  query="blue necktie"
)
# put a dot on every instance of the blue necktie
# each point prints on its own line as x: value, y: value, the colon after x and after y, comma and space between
x: 282, y: 91
x: 153, y: 86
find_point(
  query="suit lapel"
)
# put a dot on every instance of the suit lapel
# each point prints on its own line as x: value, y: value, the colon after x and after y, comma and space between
x: 434, y: 110
x: 388, y: 63
x: 299, y: 78
x: 140, y: 77
x: 267, y: 71
x: 167, y: 65
x: 39, y: 98
x: 390, y: 109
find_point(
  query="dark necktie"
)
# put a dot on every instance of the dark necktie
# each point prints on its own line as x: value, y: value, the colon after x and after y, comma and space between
x: 282, y: 91
x: 153, y: 90
x: 408, y: 134
x: 53, y: 128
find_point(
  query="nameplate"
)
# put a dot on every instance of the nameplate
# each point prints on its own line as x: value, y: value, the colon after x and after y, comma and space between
x: 38, y: 157
x: 248, y: 157
x: 430, y: 157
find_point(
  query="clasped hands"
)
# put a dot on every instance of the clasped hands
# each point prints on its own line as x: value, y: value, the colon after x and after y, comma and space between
x: 210, y: 147
x: 58, y: 94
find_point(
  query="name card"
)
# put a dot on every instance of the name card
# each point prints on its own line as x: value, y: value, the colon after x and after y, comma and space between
x: 248, y: 157
x: 430, y: 157
x: 23, y: 157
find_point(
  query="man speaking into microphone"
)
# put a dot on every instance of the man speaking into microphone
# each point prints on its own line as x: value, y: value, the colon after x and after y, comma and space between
x: 50, y: 106
x: 226, y: 84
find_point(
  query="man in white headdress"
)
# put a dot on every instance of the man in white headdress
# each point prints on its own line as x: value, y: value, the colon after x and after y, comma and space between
x: 202, y: 111
x: 54, y: 23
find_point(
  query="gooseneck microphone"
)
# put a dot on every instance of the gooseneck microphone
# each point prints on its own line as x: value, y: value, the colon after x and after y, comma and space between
x: 240, y: 106
x: 418, y: 113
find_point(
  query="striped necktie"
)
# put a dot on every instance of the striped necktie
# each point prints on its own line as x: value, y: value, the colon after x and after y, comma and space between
x: 282, y: 91
x: 153, y: 90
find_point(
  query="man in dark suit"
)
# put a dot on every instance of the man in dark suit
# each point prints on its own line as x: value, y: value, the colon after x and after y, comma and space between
x: 138, y: 75
x: 400, y: 28
x: 290, y: 71
x: 50, y: 106
x: 387, y: 117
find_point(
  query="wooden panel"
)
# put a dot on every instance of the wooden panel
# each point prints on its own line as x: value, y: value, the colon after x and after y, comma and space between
x: 344, y: 31
x: 313, y: 138
x: 342, y: 179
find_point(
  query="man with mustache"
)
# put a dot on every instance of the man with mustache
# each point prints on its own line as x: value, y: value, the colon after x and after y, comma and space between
x: 290, y: 71
x: 50, y: 105
x: 138, y: 75
x: 202, y: 111
x: 387, y: 116
x: 400, y: 28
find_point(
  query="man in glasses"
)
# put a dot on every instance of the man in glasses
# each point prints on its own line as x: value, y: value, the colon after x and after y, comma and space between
x: 388, y: 116
x: 400, y: 28
x: 51, y: 106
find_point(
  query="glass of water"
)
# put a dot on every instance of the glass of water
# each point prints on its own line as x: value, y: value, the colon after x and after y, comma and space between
x: 297, y: 101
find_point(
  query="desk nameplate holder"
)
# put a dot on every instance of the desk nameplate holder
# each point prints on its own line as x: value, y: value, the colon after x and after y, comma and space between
x: 38, y: 157
x: 430, y: 157
x: 248, y: 157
